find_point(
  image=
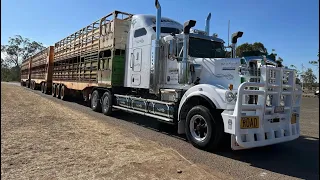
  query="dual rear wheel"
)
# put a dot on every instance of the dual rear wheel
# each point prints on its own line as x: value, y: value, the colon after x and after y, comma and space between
x: 101, y: 102
x: 59, y: 91
x: 44, y: 88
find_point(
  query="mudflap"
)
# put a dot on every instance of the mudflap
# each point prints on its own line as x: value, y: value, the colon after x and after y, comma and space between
x: 234, y: 145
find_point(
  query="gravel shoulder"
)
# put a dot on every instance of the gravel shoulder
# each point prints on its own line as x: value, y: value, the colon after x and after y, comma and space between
x: 41, y: 139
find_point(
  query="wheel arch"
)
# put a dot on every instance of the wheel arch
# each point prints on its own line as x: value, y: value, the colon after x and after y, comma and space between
x: 196, y: 98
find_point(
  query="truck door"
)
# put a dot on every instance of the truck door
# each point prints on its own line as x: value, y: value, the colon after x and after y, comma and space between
x: 137, y: 59
x: 138, y: 41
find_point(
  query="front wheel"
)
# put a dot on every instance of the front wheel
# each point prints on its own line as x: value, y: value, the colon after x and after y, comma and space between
x: 203, y: 130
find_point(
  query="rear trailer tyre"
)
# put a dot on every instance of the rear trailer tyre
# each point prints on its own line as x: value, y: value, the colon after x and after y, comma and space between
x: 63, y: 93
x: 54, y: 90
x: 95, y: 101
x: 45, y: 88
x: 106, y: 101
x: 42, y: 87
x: 203, y: 130
x: 58, y: 90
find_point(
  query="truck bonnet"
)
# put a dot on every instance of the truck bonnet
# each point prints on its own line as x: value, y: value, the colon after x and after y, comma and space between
x: 219, y: 72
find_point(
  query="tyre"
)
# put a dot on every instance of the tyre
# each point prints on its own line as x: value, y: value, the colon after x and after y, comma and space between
x: 45, y: 88
x: 54, y: 90
x: 58, y: 90
x: 63, y: 93
x: 32, y: 85
x: 95, y: 101
x: 42, y: 87
x: 106, y: 103
x: 203, y: 130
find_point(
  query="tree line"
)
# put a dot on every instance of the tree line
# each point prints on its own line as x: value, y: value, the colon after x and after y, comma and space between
x: 20, y: 48
x: 13, y: 53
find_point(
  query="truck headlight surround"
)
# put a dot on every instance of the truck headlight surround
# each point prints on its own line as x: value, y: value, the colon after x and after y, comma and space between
x: 230, y: 96
x: 282, y: 100
x: 268, y: 100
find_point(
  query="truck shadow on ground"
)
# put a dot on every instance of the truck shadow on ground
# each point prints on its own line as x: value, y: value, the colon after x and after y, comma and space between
x: 298, y: 158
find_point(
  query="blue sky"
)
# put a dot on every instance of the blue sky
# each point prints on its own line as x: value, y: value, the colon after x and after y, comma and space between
x: 291, y: 27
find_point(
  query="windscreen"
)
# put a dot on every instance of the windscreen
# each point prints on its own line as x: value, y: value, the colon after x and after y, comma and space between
x: 202, y: 48
x: 168, y: 30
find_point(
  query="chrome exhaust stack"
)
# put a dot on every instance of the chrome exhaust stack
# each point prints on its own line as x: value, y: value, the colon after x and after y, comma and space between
x: 207, y: 27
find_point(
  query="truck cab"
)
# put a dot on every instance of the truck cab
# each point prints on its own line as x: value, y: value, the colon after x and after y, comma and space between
x: 208, y: 95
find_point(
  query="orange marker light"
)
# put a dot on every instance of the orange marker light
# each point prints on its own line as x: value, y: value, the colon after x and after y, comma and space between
x: 231, y: 87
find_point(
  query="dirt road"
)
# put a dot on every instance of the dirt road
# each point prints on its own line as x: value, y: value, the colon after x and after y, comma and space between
x: 298, y: 159
x: 40, y: 139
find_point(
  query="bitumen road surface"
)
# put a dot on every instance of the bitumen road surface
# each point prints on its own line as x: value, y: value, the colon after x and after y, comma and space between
x: 298, y: 159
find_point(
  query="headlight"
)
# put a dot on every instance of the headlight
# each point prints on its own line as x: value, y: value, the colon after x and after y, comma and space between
x: 268, y: 100
x: 230, y: 96
x: 282, y: 103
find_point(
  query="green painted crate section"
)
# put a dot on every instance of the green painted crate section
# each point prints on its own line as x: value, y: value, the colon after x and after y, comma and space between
x: 118, y: 69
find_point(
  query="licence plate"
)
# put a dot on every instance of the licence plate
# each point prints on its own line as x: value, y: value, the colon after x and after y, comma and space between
x: 279, y: 109
x: 293, y: 119
x: 249, y: 122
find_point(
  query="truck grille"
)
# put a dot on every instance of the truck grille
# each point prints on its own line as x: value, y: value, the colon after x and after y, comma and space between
x: 262, y: 96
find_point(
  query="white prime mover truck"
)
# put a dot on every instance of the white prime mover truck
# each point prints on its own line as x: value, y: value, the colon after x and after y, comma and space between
x: 157, y: 67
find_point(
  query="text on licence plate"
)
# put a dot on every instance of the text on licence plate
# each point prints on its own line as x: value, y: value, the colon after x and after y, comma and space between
x: 279, y: 109
x: 249, y: 122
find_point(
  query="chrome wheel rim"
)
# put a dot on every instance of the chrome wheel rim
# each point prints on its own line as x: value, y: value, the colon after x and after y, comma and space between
x: 62, y: 92
x: 198, y: 127
x: 94, y: 100
x: 105, y: 104
x: 57, y: 91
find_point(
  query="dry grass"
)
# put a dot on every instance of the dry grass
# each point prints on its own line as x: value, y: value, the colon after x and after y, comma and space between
x: 43, y: 140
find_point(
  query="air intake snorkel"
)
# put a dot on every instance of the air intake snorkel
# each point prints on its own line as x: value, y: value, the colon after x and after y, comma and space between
x: 155, y: 61
x: 183, y: 67
x: 234, y: 40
